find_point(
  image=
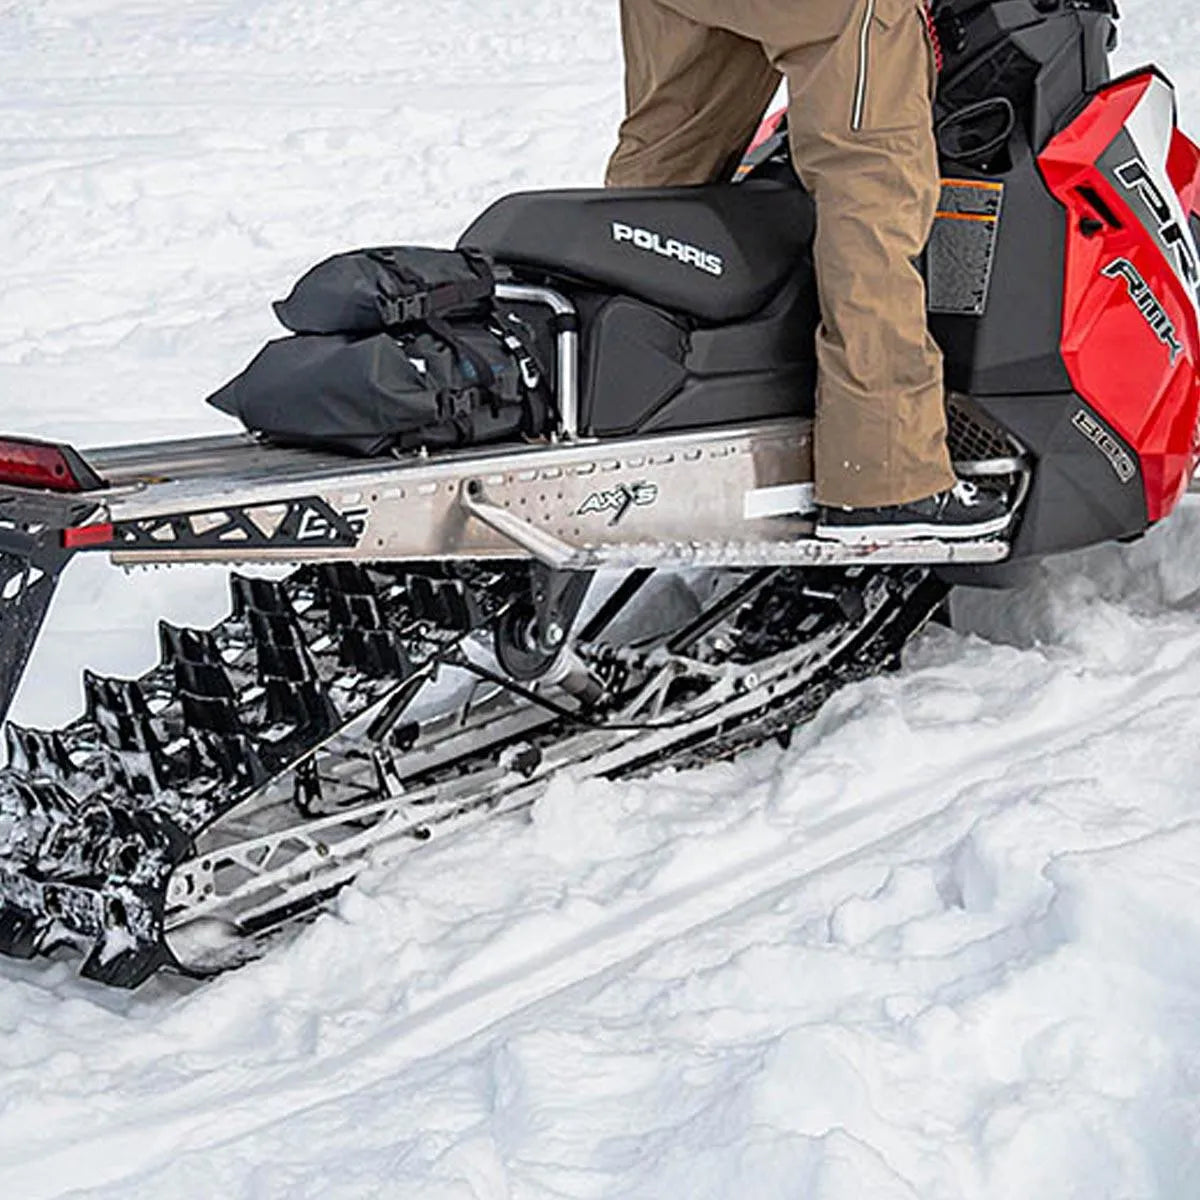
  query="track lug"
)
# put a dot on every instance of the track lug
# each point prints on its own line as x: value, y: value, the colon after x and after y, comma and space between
x: 281, y: 650
x: 187, y: 645
x: 377, y: 653
x: 296, y: 695
x: 38, y: 752
x: 259, y: 595
x: 446, y: 603
x: 30, y: 809
x: 211, y: 717
x: 20, y: 935
x: 112, y: 964
x: 305, y: 706
x: 119, y: 711
x: 114, y: 698
x: 343, y: 578
x: 234, y: 757
x: 367, y: 640
x: 355, y: 611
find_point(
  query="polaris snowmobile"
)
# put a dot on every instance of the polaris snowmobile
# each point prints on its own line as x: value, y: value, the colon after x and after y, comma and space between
x: 599, y: 555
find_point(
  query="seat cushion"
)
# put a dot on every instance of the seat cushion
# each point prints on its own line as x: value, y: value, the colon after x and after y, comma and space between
x: 717, y: 253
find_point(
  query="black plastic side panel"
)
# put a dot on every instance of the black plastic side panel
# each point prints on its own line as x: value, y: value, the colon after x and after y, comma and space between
x: 634, y: 366
x: 1087, y: 484
x: 1015, y: 346
x: 722, y: 399
x: 650, y: 371
x: 1043, y: 60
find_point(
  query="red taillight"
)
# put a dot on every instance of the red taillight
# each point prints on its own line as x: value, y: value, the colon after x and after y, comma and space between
x: 43, y: 465
x: 86, y: 537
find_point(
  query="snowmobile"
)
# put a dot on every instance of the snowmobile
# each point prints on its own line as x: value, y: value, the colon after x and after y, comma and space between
x: 625, y: 579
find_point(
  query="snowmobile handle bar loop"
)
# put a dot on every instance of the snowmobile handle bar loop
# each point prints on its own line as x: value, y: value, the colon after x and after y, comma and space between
x: 566, y: 327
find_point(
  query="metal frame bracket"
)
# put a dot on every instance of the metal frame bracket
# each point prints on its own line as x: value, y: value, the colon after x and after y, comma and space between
x: 537, y: 543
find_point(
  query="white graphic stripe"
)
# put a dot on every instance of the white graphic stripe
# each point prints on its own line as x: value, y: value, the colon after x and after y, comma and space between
x: 1151, y: 126
x: 864, y: 54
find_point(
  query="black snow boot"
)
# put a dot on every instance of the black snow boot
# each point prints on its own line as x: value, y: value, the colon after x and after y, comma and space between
x: 966, y: 512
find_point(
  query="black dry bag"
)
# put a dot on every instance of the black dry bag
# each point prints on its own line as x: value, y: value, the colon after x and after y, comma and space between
x: 368, y: 291
x: 368, y: 395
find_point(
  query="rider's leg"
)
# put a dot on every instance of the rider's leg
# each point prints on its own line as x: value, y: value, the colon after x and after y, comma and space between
x: 862, y: 138
x: 694, y: 96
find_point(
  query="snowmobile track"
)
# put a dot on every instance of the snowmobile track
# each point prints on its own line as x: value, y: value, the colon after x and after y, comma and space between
x: 244, y: 779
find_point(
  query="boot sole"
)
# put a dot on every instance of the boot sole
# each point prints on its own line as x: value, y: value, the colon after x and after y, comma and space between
x: 883, y: 535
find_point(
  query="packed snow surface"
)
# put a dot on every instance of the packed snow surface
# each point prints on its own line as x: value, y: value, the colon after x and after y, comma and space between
x: 946, y: 946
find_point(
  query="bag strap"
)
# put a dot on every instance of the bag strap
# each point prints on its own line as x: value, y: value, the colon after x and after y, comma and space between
x: 511, y: 334
x: 535, y: 400
x: 427, y: 303
x: 485, y: 379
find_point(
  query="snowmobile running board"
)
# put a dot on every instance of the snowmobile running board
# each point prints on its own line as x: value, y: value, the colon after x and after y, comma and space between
x: 580, y: 505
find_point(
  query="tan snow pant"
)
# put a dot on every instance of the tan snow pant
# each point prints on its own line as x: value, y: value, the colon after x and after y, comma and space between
x: 860, y: 74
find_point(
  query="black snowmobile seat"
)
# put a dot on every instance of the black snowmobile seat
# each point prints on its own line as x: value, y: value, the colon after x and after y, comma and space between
x: 718, y: 252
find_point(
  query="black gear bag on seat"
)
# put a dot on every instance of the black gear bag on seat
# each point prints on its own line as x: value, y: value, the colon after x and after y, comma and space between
x: 444, y: 386
x: 368, y: 291
x: 376, y: 366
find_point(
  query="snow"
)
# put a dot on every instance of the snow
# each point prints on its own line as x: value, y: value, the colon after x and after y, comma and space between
x: 946, y: 946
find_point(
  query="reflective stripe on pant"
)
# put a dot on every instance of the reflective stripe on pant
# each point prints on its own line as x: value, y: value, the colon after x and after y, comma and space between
x: 860, y: 75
